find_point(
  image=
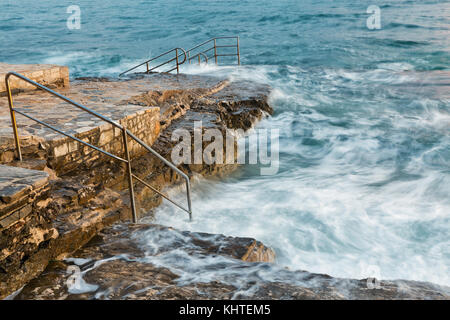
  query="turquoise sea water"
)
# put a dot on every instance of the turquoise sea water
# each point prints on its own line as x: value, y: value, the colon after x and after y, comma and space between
x: 364, y: 119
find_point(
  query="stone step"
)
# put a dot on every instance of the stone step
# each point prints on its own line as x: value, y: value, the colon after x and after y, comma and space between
x: 33, y: 164
x: 19, y: 187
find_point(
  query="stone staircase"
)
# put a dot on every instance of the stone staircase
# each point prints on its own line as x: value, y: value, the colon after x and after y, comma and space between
x: 63, y: 194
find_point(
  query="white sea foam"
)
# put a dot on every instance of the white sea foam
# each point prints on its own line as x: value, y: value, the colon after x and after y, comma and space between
x: 396, y: 66
x: 67, y: 58
x: 93, y: 63
x: 176, y: 251
x: 362, y: 181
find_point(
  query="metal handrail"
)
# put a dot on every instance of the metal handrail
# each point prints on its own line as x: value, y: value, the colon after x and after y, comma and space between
x: 187, y: 55
x: 125, y: 134
x: 199, y: 55
x: 215, y: 47
x: 147, y: 63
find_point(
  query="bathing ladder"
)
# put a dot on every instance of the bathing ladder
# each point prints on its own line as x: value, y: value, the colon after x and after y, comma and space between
x: 205, y: 51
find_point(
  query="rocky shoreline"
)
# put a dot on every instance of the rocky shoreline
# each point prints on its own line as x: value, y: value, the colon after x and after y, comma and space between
x: 80, y: 219
x: 82, y: 200
x: 145, y: 262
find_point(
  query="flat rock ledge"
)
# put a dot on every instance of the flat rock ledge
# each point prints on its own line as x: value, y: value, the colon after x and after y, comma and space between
x: 19, y: 188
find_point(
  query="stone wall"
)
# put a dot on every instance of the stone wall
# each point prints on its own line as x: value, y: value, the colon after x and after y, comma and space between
x: 65, y: 154
x: 43, y: 74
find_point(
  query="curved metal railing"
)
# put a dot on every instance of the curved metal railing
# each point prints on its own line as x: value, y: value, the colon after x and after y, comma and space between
x: 199, y: 56
x: 176, y: 59
x: 216, y: 47
x: 191, y: 54
x: 125, y: 134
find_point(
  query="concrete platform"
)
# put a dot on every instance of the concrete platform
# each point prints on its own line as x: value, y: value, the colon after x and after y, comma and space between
x: 46, y: 74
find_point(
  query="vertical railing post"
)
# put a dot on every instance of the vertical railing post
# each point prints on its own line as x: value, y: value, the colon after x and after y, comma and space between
x: 148, y: 70
x: 215, y: 50
x: 13, y: 118
x: 129, y: 173
x: 189, y: 56
x: 178, y: 66
x: 238, y: 51
x: 188, y: 195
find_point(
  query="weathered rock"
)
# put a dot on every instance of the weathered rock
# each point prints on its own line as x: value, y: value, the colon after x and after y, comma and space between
x: 80, y: 204
x: 118, y: 278
x: 156, y: 262
x: 54, y: 228
x: 19, y: 189
x: 124, y: 239
x: 150, y: 261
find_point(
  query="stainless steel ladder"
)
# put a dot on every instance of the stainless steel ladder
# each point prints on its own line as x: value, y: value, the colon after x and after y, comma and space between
x: 125, y: 134
x: 176, y: 59
x: 201, y: 51
x: 197, y: 52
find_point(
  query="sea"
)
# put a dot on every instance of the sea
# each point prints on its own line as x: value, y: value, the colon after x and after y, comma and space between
x: 362, y: 109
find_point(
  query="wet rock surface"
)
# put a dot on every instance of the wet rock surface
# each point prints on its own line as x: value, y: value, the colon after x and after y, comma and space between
x: 116, y: 265
x: 156, y: 262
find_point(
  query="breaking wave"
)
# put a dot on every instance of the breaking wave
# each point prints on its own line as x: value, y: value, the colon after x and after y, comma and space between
x: 363, y: 181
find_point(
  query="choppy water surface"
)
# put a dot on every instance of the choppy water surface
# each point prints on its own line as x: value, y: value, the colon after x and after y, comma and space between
x: 364, y: 119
